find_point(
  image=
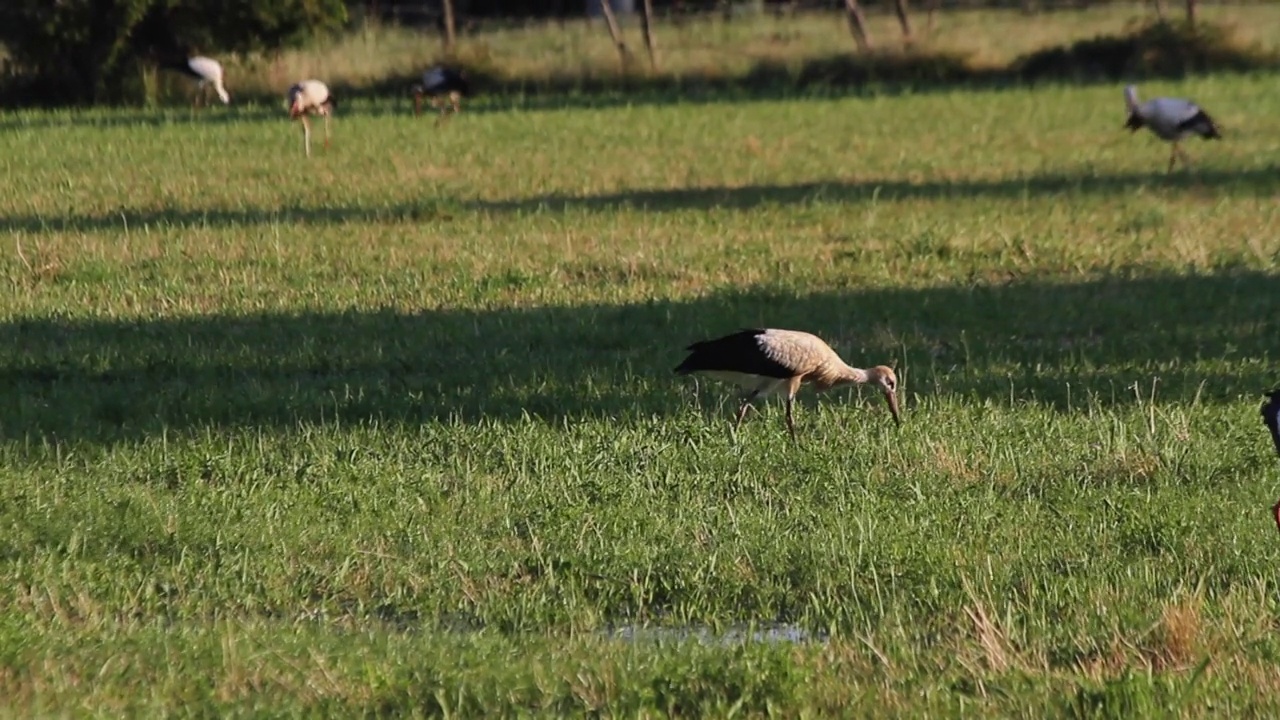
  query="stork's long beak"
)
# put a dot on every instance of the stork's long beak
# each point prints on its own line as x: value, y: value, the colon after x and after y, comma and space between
x: 892, y: 400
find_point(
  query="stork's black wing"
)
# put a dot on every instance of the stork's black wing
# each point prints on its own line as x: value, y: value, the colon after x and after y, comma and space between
x: 739, y: 352
x: 179, y: 63
x: 458, y: 83
x: 1202, y: 125
x: 1271, y: 417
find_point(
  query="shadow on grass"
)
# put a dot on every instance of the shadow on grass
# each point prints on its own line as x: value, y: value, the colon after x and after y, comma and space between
x: 1207, y: 337
x: 129, y: 218
x: 1251, y: 182
x: 244, y: 110
x: 1257, y: 181
x: 391, y: 96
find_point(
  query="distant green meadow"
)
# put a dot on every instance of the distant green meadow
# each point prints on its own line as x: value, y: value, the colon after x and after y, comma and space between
x: 393, y: 430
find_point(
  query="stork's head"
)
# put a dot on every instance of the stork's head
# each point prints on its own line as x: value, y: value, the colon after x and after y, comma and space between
x: 294, y: 99
x: 886, y: 380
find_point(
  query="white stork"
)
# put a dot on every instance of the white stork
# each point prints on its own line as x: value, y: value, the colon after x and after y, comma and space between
x: 311, y: 97
x: 1171, y: 119
x: 766, y: 361
x: 445, y: 87
x: 208, y: 73
x: 1271, y: 418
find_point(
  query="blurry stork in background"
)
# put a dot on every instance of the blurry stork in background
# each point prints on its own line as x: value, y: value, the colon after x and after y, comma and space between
x: 207, y: 72
x: 767, y: 361
x: 1271, y: 418
x: 445, y: 87
x: 311, y: 97
x: 1171, y: 119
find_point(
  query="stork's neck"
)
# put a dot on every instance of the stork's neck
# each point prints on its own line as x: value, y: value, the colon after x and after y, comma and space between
x: 1131, y: 98
x: 836, y: 374
x: 850, y: 375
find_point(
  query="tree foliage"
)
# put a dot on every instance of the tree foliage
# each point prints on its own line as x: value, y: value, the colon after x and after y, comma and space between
x: 87, y: 50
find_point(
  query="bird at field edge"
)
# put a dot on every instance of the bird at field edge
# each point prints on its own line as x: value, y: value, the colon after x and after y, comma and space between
x: 1271, y: 418
x: 445, y: 87
x: 205, y: 70
x: 766, y: 361
x: 311, y: 97
x: 1171, y: 119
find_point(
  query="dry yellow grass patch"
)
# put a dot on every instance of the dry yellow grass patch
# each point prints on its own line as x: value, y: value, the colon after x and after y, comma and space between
x: 1135, y: 465
x: 961, y: 467
x: 1177, y: 641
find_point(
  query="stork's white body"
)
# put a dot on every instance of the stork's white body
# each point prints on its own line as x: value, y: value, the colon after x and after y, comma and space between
x: 310, y: 97
x: 207, y: 73
x: 433, y: 80
x: 770, y: 361
x: 1170, y: 119
x: 1165, y: 117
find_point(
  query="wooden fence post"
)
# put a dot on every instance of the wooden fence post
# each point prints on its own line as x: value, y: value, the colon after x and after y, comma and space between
x: 450, y: 28
x: 610, y: 21
x: 900, y: 9
x: 857, y: 24
x: 646, y: 26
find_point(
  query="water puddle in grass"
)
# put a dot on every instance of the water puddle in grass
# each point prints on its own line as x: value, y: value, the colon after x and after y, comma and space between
x: 706, y: 635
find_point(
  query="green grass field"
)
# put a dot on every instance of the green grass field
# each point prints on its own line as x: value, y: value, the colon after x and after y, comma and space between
x: 393, y: 430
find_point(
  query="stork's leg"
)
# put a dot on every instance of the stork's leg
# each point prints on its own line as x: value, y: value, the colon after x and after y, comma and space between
x: 1186, y: 159
x: 742, y: 411
x: 306, y: 135
x: 326, y: 131
x: 793, y: 388
x: 791, y: 420
x: 1173, y: 157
